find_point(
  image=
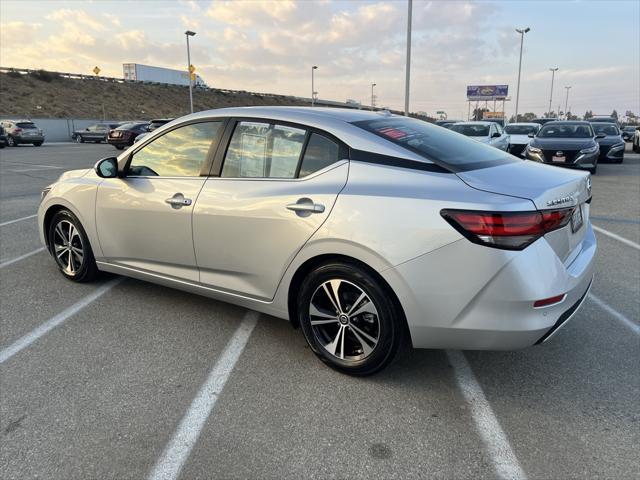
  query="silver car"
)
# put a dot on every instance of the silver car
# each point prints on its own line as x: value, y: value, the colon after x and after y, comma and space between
x: 361, y: 228
x: 490, y: 133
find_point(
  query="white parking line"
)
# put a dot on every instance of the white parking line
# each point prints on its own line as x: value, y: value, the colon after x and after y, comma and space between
x: 616, y: 237
x: 504, y: 460
x: 634, y: 327
x: 18, y: 220
x: 21, y: 257
x: 35, y: 334
x: 178, y: 449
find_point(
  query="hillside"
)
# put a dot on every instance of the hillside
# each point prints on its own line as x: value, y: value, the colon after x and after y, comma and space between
x: 47, y: 95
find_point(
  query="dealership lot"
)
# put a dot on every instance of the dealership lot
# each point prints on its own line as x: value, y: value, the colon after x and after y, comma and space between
x: 102, y: 393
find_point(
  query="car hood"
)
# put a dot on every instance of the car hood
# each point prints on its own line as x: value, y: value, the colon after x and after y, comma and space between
x: 546, y: 186
x: 480, y: 139
x: 610, y: 140
x: 519, y: 139
x: 74, y: 174
x: 562, y: 143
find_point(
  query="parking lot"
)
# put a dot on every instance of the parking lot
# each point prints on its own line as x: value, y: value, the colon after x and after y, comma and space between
x: 115, y: 379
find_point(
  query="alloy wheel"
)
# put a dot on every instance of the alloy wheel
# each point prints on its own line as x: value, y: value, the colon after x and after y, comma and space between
x: 344, y: 320
x: 67, y: 247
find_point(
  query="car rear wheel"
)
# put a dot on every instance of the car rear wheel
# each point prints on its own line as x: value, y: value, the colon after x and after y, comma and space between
x: 119, y: 147
x: 11, y: 141
x: 37, y: 144
x: 349, y: 319
x: 69, y: 246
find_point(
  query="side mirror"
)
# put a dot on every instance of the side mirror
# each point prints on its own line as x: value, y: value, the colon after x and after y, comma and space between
x: 495, y: 135
x: 107, y: 167
x: 601, y: 135
x: 531, y: 135
x: 86, y: 129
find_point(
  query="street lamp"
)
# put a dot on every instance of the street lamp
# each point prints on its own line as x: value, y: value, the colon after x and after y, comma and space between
x: 313, y: 89
x: 373, y: 103
x: 521, y: 32
x: 566, y: 102
x: 188, y: 34
x: 553, y: 73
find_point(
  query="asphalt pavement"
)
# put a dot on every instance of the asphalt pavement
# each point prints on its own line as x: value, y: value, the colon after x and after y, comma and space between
x: 125, y: 379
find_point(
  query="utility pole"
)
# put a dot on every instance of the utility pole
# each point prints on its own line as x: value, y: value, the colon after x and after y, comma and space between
x: 408, y: 67
x: 521, y: 32
x: 553, y: 73
x: 313, y: 88
x: 566, y: 102
x: 373, y: 98
x: 188, y: 34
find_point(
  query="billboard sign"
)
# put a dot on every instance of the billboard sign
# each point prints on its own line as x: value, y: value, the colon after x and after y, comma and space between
x: 487, y: 92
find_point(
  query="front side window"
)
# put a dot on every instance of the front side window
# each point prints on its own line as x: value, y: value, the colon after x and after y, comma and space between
x: 179, y: 153
x: 263, y: 150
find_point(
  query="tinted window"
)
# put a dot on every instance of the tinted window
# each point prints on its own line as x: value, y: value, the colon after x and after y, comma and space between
x: 606, y: 128
x: 263, y: 150
x: 26, y: 125
x: 520, y: 129
x: 560, y: 130
x: 471, y: 130
x: 178, y: 153
x: 439, y: 145
x: 321, y: 152
x: 131, y: 126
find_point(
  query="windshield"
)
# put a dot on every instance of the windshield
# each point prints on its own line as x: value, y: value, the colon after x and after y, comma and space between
x: 606, y: 128
x: 436, y: 144
x: 471, y: 130
x: 26, y: 125
x: 558, y: 130
x: 520, y: 129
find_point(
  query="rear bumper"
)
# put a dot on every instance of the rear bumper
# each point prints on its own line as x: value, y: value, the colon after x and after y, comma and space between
x: 118, y: 142
x: 466, y: 296
x: 28, y: 139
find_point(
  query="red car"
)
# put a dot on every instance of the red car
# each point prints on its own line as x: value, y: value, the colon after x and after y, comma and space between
x: 124, y: 135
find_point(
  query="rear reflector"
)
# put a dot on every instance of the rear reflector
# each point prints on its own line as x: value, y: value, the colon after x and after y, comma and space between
x: 545, y: 302
x: 506, y: 230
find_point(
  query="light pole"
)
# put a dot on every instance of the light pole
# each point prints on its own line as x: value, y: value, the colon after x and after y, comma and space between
x: 188, y: 34
x: 553, y: 73
x: 521, y: 32
x: 373, y: 102
x: 313, y: 88
x: 408, y: 73
x: 566, y: 102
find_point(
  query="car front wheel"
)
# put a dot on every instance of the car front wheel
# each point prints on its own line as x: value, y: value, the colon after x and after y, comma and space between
x: 69, y: 246
x: 348, y: 319
x: 79, y: 139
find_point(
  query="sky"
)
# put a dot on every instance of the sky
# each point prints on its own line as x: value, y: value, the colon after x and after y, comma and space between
x: 270, y: 46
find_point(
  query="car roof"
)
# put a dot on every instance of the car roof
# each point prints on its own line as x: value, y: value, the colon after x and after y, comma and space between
x: 478, y: 122
x: 570, y: 122
x: 526, y: 124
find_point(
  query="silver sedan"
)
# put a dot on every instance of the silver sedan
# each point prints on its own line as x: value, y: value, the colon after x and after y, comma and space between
x: 361, y: 228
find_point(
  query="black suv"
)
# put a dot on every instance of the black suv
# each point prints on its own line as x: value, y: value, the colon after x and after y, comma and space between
x: 94, y: 133
x: 22, y: 131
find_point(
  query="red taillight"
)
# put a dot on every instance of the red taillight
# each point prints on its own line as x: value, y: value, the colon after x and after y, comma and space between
x: 17, y: 130
x: 507, y: 230
x: 548, y: 301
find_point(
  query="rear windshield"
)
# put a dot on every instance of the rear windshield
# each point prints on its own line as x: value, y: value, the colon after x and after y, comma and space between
x: 605, y: 128
x: 471, y: 130
x: 520, y: 129
x: 559, y: 130
x: 131, y: 126
x: 26, y: 125
x: 438, y: 145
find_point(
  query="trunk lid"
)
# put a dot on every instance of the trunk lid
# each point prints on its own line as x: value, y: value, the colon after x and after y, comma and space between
x: 549, y: 188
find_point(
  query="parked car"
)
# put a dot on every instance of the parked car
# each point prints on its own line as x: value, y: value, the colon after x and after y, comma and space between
x: 22, y: 132
x: 153, y: 124
x: 519, y: 136
x: 603, y: 119
x: 125, y: 135
x: 3, y: 137
x: 543, y: 121
x: 627, y: 132
x: 611, y: 145
x: 490, y: 133
x: 446, y: 123
x: 94, y: 133
x: 392, y: 226
x: 570, y: 144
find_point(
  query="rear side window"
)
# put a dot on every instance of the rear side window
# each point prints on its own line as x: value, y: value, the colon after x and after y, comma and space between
x: 263, y: 150
x: 441, y: 146
x: 26, y: 125
x: 321, y: 152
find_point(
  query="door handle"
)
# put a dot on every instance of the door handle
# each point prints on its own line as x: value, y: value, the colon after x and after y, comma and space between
x: 305, y: 207
x: 178, y: 201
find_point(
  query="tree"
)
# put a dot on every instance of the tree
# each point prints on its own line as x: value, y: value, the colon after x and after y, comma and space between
x: 614, y: 114
x: 478, y: 113
x: 571, y: 116
x: 588, y: 114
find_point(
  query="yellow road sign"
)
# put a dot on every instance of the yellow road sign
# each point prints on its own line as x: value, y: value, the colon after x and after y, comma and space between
x: 192, y: 69
x: 96, y: 70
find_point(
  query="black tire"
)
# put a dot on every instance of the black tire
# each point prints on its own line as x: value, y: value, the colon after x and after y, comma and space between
x: 79, y: 139
x: 37, y: 144
x: 83, y: 270
x: 388, y: 322
x: 593, y: 170
x: 119, y: 147
x: 11, y: 142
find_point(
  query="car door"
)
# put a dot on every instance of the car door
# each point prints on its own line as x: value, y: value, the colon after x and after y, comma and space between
x: 144, y: 219
x: 276, y: 186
